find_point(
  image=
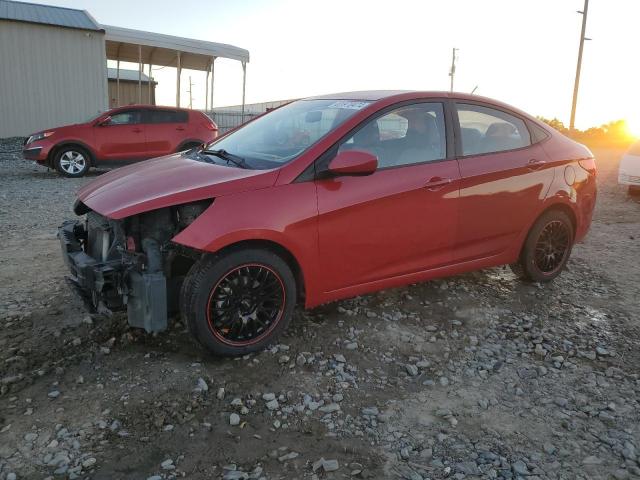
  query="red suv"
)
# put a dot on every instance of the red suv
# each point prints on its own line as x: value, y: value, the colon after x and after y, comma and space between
x: 120, y: 135
x: 327, y: 198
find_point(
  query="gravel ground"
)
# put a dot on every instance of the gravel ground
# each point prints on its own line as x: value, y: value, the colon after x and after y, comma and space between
x: 476, y: 376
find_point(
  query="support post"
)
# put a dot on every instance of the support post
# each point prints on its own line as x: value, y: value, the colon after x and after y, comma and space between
x: 206, y: 91
x: 574, y: 103
x: 244, y: 85
x: 139, y: 74
x: 149, y: 85
x: 118, y: 83
x: 213, y: 65
x: 178, y: 72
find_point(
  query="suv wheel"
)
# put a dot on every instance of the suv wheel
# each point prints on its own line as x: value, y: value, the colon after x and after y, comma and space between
x: 547, y: 248
x: 72, y: 161
x: 240, y: 302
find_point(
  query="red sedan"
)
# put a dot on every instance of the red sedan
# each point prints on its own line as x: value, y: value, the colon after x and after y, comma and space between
x: 327, y: 198
x: 122, y: 135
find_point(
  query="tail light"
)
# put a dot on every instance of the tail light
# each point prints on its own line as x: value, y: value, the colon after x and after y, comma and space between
x: 211, y: 126
x: 589, y: 164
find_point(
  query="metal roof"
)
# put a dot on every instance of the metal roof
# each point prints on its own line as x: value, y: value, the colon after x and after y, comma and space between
x: 126, y: 75
x: 47, y: 15
x: 160, y: 49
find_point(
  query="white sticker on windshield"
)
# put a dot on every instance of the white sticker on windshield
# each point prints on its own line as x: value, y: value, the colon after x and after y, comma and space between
x: 351, y: 105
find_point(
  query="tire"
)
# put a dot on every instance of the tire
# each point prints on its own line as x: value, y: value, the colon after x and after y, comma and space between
x: 218, y: 300
x: 72, y: 161
x: 547, y: 249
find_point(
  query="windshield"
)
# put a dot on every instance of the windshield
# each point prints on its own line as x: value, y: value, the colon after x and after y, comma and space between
x: 280, y: 136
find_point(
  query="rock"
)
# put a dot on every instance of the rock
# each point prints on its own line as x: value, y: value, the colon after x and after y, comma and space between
x: 326, y: 465
x: 267, y: 397
x: 235, y: 475
x: 591, y: 460
x: 234, y: 419
x: 444, y: 381
x: 54, y: 394
x: 89, y: 462
x: 11, y: 476
x: 168, y: 465
x: 220, y: 394
x: 332, y: 407
x: 603, y: 352
x: 412, y: 370
x: 273, y: 404
x: 351, y: 346
x: 520, y: 468
x: 473, y: 340
x: 30, y: 437
x: 301, y: 360
x: 370, y: 411
x: 339, y: 358
x: 201, y: 386
x: 288, y: 456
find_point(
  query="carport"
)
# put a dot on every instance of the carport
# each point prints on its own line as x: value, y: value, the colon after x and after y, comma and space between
x: 127, y: 45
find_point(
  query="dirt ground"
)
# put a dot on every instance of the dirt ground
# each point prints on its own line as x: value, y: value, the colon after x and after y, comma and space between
x: 475, y: 376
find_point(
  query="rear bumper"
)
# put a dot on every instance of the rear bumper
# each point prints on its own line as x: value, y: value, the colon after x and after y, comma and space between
x: 114, y: 283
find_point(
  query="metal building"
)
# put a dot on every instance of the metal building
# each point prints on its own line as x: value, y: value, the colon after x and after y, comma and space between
x: 123, y: 88
x: 54, y: 64
x: 53, y: 68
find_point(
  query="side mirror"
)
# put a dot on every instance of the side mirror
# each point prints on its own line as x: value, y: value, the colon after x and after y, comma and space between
x: 104, y: 122
x: 353, y: 162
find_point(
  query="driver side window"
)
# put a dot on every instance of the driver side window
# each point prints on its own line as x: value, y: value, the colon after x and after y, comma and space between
x: 408, y: 135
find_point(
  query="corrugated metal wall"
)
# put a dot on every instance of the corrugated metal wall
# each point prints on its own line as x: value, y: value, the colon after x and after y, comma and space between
x: 49, y: 76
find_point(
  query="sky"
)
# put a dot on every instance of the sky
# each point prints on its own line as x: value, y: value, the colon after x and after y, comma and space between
x: 522, y: 53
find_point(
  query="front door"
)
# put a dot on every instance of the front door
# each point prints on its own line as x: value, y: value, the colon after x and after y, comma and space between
x: 402, y: 218
x: 504, y: 180
x: 122, y: 138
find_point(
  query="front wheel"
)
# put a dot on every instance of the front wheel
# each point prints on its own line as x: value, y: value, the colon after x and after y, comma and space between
x: 547, y: 248
x: 240, y: 302
x: 72, y: 161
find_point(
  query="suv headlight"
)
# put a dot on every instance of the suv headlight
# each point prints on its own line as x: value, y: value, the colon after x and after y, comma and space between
x: 39, y: 136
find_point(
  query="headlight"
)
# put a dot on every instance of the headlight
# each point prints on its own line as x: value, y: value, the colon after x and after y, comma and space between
x: 39, y: 136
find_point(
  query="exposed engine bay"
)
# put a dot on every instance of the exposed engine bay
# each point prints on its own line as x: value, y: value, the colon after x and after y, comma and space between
x: 131, y: 263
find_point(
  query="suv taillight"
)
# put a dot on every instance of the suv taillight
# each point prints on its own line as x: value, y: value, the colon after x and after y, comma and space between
x: 589, y: 164
x: 211, y: 126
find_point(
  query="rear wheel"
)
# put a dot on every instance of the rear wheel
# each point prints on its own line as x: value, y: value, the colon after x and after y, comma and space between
x: 72, y: 161
x: 547, y: 248
x: 239, y: 302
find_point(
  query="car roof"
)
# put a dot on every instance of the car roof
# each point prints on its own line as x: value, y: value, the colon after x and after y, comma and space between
x: 147, y: 107
x: 378, y: 95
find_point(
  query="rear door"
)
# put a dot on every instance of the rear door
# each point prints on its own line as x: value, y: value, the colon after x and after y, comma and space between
x: 504, y: 179
x: 402, y: 218
x: 122, y: 138
x: 166, y: 130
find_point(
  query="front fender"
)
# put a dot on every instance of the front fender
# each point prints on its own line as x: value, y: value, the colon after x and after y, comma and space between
x: 285, y: 215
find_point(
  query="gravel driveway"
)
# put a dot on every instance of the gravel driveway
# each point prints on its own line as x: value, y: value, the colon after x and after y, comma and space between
x: 476, y: 376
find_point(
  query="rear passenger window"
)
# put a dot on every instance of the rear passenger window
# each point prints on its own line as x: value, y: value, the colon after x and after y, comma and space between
x: 167, y: 116
x: 485, y: 130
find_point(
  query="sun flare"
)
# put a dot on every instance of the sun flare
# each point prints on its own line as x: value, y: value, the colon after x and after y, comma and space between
x: 633, y: 127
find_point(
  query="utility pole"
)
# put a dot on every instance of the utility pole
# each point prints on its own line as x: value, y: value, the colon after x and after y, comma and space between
x: 572, y: 121
x: 190, y: 93
x: 452, y: 71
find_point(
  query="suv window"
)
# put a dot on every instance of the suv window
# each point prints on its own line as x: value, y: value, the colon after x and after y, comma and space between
x: 167, y: 116
x: 128, y: 117
x: 407, y: 135
x: 484, y: 130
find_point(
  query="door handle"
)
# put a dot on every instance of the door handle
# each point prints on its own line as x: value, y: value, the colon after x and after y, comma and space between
x: 534, y: 164
x: 180, y: 128
x: 136, y: 130
x: 436, y: 183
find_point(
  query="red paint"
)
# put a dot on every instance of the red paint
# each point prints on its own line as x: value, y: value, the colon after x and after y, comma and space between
x: 113, y: 144
x: 356, y: 234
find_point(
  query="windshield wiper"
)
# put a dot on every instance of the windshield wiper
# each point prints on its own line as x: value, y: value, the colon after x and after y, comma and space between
x: 228, y: 157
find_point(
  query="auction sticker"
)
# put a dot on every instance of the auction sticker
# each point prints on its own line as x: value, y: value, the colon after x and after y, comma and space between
x: 348, y: 104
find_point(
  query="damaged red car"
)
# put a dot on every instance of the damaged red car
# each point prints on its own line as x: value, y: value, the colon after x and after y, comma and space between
x: 327, y: 198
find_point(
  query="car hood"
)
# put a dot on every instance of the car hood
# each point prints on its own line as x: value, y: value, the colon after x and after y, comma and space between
x: 166, y: 181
